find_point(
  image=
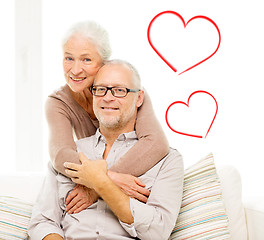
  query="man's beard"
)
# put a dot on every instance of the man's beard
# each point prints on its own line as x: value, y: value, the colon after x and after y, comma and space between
x: 116, y: 122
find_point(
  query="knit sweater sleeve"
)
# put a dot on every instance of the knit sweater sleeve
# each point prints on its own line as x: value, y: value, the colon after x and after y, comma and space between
x: 151, y: 147
x: 62, y: 147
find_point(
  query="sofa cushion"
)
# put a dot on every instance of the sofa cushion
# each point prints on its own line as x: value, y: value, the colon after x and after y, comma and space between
x: 202, y: 214
x: 254, y: 209
x: 14, y: 218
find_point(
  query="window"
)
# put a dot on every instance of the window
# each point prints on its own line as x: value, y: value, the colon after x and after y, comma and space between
x: 7, y: 96
x: 28, y: 81
x: 21, y: 98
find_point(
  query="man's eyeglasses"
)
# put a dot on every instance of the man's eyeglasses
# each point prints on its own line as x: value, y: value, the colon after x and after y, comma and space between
x: 119, y: 92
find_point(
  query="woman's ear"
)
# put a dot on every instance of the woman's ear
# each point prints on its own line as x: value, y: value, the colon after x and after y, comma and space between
x: 140, y: 98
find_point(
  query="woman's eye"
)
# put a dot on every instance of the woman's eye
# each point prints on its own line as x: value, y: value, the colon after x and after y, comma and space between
x: 87, y: 60
x: 68, y: 58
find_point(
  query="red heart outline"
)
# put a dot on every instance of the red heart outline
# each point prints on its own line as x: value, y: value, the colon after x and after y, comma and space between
x: 187, y: 104
x: 184, y: 24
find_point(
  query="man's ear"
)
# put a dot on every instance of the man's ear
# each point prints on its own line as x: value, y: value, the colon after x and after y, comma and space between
x: 140, y: 98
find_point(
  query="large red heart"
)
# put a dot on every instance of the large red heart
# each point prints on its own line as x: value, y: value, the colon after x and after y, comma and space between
x: 184, y: 24
x: 187, y: 104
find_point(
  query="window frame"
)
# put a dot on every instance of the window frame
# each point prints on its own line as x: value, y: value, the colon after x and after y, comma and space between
x: 28, y: 85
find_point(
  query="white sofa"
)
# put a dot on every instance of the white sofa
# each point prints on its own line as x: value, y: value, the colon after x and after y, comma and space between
x: 246, y: 220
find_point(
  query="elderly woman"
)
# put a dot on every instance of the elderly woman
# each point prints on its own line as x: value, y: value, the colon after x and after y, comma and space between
x: 70, y: 115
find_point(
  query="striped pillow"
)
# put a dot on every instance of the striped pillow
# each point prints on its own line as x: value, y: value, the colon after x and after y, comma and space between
x: 202, y: 214
x: 14, y: 218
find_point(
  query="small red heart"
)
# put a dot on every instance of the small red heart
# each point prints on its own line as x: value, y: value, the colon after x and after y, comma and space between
x: 184, y: 24
x: 187, y: 104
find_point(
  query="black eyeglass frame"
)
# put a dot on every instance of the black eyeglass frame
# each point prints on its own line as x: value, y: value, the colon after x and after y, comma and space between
x: 113, y: 93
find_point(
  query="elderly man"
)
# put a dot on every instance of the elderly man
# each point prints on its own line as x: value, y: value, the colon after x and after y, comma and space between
x: 115, y: 215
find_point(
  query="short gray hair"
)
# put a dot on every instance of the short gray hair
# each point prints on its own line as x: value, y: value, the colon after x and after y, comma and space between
x: 94, y: 32
x: 136, y: 77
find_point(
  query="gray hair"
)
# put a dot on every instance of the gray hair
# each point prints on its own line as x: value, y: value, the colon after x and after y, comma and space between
x: 94, y: 32
x: 136, y: 77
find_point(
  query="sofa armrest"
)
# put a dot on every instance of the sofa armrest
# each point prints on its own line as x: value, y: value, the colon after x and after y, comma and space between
x: 25, y: 186
x: 254, y: 210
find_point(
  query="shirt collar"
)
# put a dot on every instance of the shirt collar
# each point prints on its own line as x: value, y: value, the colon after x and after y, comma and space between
x: 122, y: 137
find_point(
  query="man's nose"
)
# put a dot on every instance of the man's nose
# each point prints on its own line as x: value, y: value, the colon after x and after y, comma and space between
x: 77, y: 68
x: 109, y: 96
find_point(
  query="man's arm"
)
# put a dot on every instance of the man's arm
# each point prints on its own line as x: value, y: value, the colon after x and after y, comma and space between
x: 118, y: 201
x: 153, y: 220
x: 93, y: 174
x: 156, y: 218
x: 47, y: 213
x: 53, y: 236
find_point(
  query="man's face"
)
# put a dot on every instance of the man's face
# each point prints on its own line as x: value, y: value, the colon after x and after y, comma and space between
x: 113, y: 112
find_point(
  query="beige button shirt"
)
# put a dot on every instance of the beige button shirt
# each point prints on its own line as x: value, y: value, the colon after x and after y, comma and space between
x: 153, y: 220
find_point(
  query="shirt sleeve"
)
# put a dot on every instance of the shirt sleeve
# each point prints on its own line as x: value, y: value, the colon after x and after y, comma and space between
x: 151, y: 147
x: 62, y: 147
x: 47, y: 212
x: 156, y: 218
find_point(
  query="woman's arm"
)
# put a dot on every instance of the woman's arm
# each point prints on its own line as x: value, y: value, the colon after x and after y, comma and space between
x: 62, y: 147
x: 151, y: 147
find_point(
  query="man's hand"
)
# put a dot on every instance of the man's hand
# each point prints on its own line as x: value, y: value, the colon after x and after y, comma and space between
x: 80, y: 198
x: 130, y: 185
x: 89, y: 173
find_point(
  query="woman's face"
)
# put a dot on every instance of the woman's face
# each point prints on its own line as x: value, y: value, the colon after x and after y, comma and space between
x: 80, y: 63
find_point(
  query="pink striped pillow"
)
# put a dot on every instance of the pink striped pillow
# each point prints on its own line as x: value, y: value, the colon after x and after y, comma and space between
x: 202, y: 214
x: 14, y: 218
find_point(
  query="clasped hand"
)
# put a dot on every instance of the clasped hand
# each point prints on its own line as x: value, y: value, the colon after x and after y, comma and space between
x: 89, y: 174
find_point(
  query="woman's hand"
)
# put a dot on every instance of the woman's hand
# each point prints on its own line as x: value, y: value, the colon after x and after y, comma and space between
x: 88, y: 173
x: 80, y: 198
x: 130, y: 185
